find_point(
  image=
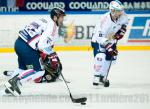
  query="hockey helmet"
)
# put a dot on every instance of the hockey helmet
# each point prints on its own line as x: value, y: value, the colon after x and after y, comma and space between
x: 116, y: 5
x: 57, y: 12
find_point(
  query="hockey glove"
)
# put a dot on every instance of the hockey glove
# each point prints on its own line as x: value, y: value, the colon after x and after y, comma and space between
x: 111, y: 49
x: 52, y: 66
x: 119, y: 35
x: 50, y: 61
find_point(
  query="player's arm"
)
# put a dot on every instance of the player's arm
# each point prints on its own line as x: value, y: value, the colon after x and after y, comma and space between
x: 45, y: 47
x: 46, y: 43
x: 123, y: 28
x: 101, y: 33
x: 120, y: 33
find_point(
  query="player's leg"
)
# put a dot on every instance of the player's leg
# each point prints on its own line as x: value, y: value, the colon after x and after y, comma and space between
x: 99, y: 61
x: 31, y: 59
x: 8, y: 72
x: 19, y: 50
x: 21, y: 68
x: 12, y: 73
x: 21, y: 63
x: 16, y: 72
x: 102, y: 62
x: 12, y: 83
x: 101, y: 66
x: 97, y: 64
x: 104, y: 70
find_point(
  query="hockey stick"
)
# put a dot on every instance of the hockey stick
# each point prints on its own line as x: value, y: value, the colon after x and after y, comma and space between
x: 109, y: 67
x: 62, y: 80
x: 123, y: 26
x: 105, y: 81
x: 77, y: 100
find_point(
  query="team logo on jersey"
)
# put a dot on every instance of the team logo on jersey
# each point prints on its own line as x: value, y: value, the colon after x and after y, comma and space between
x: 140, y: 30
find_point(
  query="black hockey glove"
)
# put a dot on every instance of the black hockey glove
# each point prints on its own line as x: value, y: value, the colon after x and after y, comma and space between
x: 111, y: 49
x: 119, y: 35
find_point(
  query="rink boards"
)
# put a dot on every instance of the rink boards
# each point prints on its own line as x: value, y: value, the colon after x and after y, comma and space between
x: 78, y: 31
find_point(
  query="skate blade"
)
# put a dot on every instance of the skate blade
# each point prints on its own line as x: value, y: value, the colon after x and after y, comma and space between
x: 7, y: 85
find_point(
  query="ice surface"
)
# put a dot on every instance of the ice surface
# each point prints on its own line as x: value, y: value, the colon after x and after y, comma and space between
x: 129, y: 88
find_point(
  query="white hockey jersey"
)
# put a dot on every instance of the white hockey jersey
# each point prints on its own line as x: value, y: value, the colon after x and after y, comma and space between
x: 106, y: 28
x: 40, y: 34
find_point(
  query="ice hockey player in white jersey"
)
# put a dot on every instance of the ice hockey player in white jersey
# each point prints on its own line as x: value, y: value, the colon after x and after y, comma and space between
x: 36, y: 40
x: 109, y: 29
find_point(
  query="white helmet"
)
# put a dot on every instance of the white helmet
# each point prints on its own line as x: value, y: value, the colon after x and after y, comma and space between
x: 116, y: 5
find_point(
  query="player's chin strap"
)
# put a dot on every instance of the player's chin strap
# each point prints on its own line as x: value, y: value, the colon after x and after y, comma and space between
x: 57, y: 20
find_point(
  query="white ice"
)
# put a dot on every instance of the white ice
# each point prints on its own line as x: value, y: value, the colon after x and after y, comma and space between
x: 129, y: 88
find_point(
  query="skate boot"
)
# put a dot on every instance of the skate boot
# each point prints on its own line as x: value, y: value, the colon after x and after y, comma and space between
x: 101, y: 79
x: 96, y: 80
x: 8, y: 73
x: 105, y: 82
x: 7, y: 91
x: 12, y: 86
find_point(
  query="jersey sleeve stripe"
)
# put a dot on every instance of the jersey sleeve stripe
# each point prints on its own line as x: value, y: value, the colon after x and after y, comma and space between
x: 36, y: 36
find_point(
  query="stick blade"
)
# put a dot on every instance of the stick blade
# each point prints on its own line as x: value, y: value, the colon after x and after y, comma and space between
x: 79, y: 100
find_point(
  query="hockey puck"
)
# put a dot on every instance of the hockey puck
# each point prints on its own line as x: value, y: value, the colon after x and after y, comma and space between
x: 83, y: 103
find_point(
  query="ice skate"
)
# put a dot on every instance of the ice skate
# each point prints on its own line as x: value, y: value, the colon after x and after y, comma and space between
x: 8, y: 73
x: 96, y: 80
x: 12, y: 86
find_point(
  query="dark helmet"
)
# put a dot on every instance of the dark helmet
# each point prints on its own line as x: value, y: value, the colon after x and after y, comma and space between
x: 57, y: 12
